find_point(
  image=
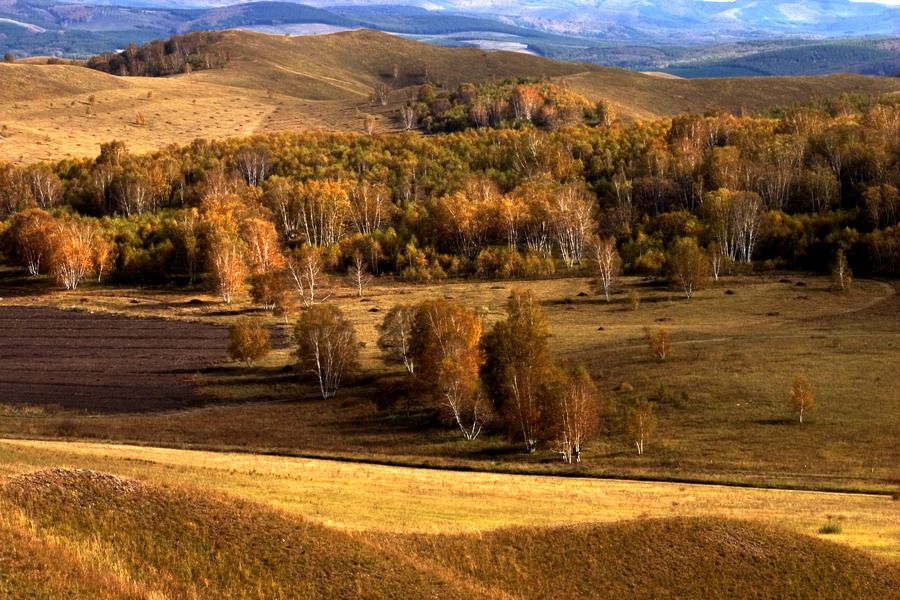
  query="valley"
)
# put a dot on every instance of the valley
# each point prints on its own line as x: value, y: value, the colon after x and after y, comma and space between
x: 350, y: 315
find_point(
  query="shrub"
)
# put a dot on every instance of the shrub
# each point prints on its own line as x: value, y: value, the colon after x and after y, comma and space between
x: 248, y: 341
x: 830, y: 528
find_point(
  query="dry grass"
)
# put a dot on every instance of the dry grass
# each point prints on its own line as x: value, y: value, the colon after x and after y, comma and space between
x: 404, y: 500
x: 276, y: 83
x: 110, y: 536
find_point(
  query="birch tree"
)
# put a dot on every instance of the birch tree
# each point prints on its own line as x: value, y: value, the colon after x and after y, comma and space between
x: 609, y: 265
x: 578, y: 414
x: 640, y: 424
x: 572, y: 215
x: 306, y: 271
x: 395, y: 336
x: 445, y: 346
x: 801, y: 398
x: 326, y: 346
x: 840, y: 271
x: 226, y: 258
x: 687, y: 266
x: 71, y: 255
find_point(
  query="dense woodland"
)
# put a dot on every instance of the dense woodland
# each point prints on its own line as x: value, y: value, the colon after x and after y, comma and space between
x: 775, y: 192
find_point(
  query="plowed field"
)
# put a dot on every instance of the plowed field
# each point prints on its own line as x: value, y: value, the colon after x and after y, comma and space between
x: 102, y: 363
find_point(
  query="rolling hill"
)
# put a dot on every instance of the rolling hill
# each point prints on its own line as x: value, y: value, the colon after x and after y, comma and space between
x: 278, y: 83
x: 115, y: 537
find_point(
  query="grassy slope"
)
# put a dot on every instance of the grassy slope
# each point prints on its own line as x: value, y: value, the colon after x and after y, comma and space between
x: 275, y: 83
x: 668, y: 558
x: 402, y: 500
x: 179, y: 543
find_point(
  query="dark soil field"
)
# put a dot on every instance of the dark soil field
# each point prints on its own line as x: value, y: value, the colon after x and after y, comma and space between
x: 102, y: 363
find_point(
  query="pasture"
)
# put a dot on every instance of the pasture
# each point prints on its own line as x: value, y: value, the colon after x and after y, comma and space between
x: 720, y: 399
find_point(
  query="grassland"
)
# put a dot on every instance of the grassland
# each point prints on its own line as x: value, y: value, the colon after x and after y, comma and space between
x: 275, y: 83
x: 196, y: 524
x: 723, y: 411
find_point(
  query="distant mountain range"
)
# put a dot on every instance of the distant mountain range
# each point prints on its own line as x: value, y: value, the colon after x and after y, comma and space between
x: 684, y: 37
x: 675, y: 20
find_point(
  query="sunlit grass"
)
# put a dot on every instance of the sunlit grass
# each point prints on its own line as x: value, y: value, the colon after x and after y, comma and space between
x: 402, y: 500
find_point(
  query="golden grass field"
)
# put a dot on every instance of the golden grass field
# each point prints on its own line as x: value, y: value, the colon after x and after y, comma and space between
x: 363, y: 497
x: 276, y: 83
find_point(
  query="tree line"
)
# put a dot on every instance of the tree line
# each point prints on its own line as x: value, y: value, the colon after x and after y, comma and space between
x: 194, y: 51
x: 786, y: 191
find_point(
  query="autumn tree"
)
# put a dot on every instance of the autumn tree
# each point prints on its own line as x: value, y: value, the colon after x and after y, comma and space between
x: 640, y: 424
x: 306, y: 270
x: 577, y: 412
x: 254, y: 164
x: 447, y: 354
x: 395, y: 336
x: 840, y: 271
x: 572, y: 218
x: 801, y: 399
x: 368, y: 207
x: 518, y: 369
x: 14, y: 190
x: 326, y: 346
x: 358, y: 272
x: 687, y: 266
x: 261, y: 243
x: 525, y: 101
x: 462, y: 220
x: 323, y: 209
x: 46, y: 187
x: 283, y: 197
x: 28, y: 238
x: 717, y: 259
x: 226, y: 260
x: 408, y: 116
x: 248, y: 340
x: 609, y: 265
x: 735, y: 219
x: 71, y: 252
x: 103, y: 255
x: 381, y: 93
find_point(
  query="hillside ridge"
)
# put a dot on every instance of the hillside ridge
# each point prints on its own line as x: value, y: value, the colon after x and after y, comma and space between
x: 276, y: 83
